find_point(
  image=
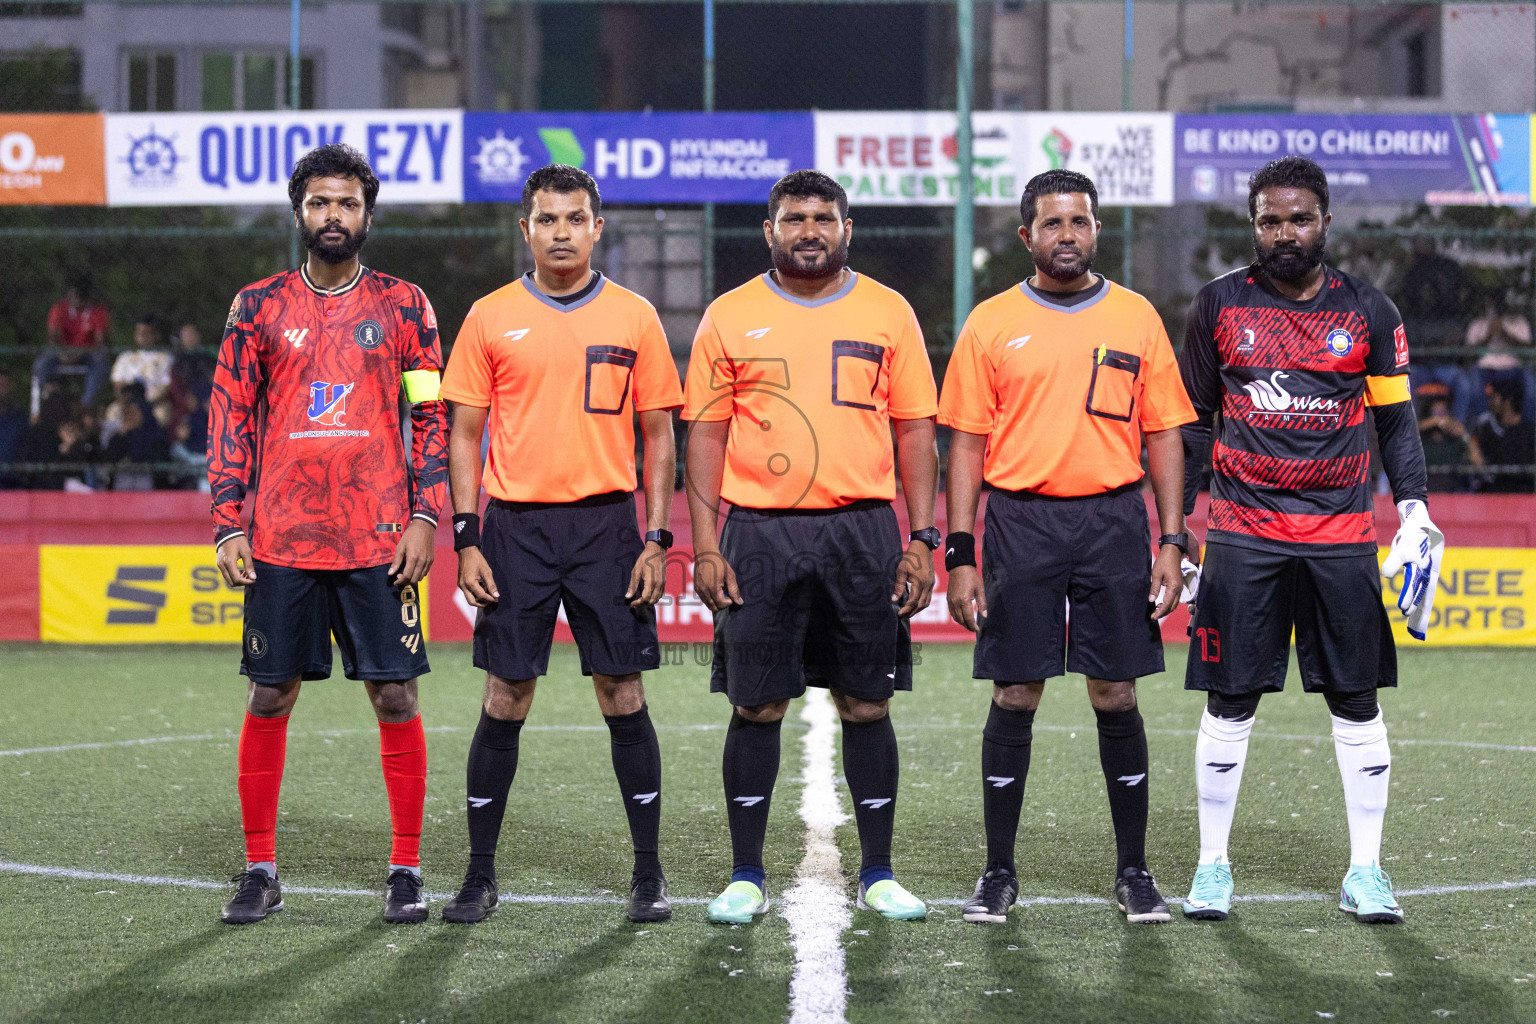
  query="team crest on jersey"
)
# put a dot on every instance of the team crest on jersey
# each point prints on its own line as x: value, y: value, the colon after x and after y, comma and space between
x: 368, y: 334
x: 328, y: 403
x: 234, y: 313
x: 1340, y: 342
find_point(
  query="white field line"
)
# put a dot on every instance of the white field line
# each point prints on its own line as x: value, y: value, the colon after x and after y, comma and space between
x: 325, y: 733
x: 11, y: 867
x: 816, y: 907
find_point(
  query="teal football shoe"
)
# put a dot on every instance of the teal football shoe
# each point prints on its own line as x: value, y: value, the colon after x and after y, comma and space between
x: 1367, y: 893
x: 888, y: 899
x: 1210, y: 894
x: 738, y: 904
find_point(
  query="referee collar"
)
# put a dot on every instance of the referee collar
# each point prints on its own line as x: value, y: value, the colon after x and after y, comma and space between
x: 1033, y: 294
x: 773, y: 286
x: 596, y: 284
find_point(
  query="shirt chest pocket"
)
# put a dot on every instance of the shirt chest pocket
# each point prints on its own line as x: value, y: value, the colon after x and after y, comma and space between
x: 1112, y: 388
x: 856, y: 369
x: 609, y: 370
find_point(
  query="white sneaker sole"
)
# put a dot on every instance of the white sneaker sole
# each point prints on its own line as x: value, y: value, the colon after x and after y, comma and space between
x: 1162, y: 917
x: 984, y: 917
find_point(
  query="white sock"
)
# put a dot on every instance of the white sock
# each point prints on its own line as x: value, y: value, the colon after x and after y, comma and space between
x: 1220, y: 752
x: 1365, y: 765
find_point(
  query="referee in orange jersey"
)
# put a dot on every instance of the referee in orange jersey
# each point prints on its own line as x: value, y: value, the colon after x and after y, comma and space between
x: 561, y: 363
x: 1052, y: 388
x: 797, y: 381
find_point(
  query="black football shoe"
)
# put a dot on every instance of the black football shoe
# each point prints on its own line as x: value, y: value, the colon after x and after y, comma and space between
x: 475, y: 902
x: 257, y: 894
x: 1136, y: 894
x: 996, y: 892
x: 648, y: 900
x: 404, y: 904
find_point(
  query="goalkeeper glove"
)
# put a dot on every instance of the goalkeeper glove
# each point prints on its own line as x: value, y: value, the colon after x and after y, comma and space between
x: 1191, y: 575
x: 1416, y: 550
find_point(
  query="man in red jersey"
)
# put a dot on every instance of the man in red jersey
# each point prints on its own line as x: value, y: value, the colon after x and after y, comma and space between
x: 311, y: 373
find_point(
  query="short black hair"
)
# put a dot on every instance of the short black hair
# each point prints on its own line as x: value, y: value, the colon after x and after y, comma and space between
x: 82, y: 284
x: 336, y: 160
x: 807, y: 184
x: 1053, y: 183
x: 152, y: 319
x: 562, y: 178
x: 1511, y: 389
x: 1288, y: 172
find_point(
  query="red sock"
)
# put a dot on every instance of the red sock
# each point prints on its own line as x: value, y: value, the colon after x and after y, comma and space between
x: 403, y: 749
x: 263, y: 744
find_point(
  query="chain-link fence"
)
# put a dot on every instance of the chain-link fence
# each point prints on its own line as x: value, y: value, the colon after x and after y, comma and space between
x: 1463, y: 276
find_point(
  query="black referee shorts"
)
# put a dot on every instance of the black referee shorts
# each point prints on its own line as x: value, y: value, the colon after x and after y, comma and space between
x: 1250, y: 600
x: 291, y: 614
x: 1066, y: 582
x: 816, y: 590
x: 579, y: 554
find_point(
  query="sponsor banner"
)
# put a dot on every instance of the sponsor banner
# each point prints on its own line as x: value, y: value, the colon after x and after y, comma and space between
x: 173, y: 593
x: 638, y: 158
x: 1466, y: 159
x: 908, y: 158
x: 220, y: 159
x: 51, y: 160
x: 1486, y: 597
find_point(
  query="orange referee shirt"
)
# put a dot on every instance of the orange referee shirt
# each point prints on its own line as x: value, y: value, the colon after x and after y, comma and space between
x: 810, y: 389
x: 563, y: 384
x: 1063, y: 393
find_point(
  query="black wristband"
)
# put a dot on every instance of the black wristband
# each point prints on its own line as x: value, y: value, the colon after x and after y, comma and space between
x: 466, y: 530
x: 960, y: 550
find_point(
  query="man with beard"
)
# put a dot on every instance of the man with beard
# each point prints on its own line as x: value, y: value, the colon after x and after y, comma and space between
x: 1050, y: 392
x: 312, y: 371
x: 1293, y: 352
x: 796, y: 383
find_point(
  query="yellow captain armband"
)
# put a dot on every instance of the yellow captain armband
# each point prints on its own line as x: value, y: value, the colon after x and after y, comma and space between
x: 422, y: 385
x: 1386, y: 390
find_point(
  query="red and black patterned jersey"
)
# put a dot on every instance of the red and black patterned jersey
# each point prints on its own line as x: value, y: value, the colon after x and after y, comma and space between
x: 1290, y: 468
x: 306, y: 408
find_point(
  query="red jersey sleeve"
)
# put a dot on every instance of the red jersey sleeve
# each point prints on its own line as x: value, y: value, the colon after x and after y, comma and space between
x: 232, y: 414
x: 423, y: 353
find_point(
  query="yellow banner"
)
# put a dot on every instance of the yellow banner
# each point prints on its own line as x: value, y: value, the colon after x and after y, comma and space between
x: 1487, y: 596
x: 101, y: 594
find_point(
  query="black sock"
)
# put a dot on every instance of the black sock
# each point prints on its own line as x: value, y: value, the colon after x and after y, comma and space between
x: 492, y: 764
x: 750, y: 767
x: 872, y: 765
x: 637, y: 764
x: 1005, y: 745
x: 1123, y: 754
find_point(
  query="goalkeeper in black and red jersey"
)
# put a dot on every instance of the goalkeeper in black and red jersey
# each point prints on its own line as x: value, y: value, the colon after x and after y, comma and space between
x: 313, y: 371
x: 1293, y: 353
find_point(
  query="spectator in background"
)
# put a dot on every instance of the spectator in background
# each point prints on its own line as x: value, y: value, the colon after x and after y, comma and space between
x: 191, y: 370
x: 1447, y: 444
x: 77, y: 333
x: 1434, y: 298
x: 1506, y: 438
x: 139, y: 439
x: 146, y: 363
x: 57, y: 436
x: 1504, y: 333
x: 13, y: 431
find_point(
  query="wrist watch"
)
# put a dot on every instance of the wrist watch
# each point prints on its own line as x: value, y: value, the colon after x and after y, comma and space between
x: 662, y: 537
x: 1178, y: 540
x: 930, y: 536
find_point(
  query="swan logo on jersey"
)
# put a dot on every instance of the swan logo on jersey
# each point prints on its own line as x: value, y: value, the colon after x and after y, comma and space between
x: 328, y: 403
x: 1271, y: 396
x: 1340, y: 342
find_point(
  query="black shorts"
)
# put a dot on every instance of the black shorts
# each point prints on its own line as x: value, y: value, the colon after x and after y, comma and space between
x: 816, y: 591
x: 1250, y: 600
x: 579, y: 554
x: 291, y: 614
x: 1066, y: 582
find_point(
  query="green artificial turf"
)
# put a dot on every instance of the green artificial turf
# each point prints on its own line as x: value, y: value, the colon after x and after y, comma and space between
x: 92, y: 950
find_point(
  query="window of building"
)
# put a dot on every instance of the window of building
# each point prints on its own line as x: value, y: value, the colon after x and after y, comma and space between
x: 41, y: 80
x: 254, y: 81
x: 152, y: 81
